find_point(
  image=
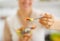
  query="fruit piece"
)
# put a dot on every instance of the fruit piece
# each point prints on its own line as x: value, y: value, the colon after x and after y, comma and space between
x: 33, y: 27
x: 29, y: 19
x: 19, y: 33
x: 27, y: 30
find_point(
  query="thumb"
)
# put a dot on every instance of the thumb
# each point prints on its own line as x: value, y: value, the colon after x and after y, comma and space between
x: 25, y: 38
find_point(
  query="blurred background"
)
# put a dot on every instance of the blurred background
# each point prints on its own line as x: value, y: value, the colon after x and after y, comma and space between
x: 8, y: 7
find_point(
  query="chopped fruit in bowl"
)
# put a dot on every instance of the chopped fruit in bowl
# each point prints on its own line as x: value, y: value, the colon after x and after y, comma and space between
x: 25, y: 32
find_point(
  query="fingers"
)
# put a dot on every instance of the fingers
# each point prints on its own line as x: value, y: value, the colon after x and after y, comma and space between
x: 46, y: 15
x: 47, y: 20
x: 26, y: 37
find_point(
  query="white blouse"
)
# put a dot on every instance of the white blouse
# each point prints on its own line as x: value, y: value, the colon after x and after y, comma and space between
x: 37, y: 35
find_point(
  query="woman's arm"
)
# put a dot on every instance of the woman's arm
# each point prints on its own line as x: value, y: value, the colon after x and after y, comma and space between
x: 56, y: 25
x: 7, y: 34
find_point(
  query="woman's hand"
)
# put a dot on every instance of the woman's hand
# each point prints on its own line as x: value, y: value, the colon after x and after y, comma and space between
x: 25, y: 34
x: 47, y: 20
x: 26, y: 37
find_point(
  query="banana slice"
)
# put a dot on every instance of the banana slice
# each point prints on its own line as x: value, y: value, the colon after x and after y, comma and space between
x: 31, y: 19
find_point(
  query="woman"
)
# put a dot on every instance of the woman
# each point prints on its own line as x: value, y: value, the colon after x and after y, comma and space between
x: 17, y: 21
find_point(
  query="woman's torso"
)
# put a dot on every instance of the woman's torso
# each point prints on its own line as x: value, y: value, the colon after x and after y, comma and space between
x: 37, y: 35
